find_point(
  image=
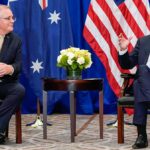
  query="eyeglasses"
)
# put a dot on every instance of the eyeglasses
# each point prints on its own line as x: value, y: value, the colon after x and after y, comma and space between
x: 9, y: 18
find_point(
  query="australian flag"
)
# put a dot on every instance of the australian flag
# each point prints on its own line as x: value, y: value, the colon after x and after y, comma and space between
x: 44, y: 26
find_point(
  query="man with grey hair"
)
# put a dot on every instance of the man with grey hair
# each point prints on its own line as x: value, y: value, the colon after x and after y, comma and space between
x: 11, y: 91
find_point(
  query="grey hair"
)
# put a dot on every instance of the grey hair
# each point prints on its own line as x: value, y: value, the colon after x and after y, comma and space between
x: 3, y: 7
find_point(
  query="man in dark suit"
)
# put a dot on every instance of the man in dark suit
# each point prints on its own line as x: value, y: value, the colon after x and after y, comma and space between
x: 11, y: 91
x: 140, y: 57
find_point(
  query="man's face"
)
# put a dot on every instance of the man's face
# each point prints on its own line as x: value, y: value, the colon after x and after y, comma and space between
x: 6, y: 21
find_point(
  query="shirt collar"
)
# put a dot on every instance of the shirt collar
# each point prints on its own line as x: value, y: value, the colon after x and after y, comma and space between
x: 2, y: 36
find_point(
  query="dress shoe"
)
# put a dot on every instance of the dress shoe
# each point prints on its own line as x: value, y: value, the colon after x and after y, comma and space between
x: 2, y: 138
x: 141, y: 142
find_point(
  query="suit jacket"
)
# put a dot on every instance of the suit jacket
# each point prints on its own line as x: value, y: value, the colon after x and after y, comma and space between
x: 138, y: 57
x: 11, y: 54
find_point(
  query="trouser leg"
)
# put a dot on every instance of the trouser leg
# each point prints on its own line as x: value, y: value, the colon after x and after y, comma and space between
x: 140, y: 113
x: 140, y: 117
x: 13, y: 94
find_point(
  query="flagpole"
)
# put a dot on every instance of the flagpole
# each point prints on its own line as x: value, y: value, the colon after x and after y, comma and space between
x: 38, y: 108
x: 38, y: 121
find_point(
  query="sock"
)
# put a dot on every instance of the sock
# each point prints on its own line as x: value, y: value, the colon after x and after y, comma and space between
x: 142, y: 130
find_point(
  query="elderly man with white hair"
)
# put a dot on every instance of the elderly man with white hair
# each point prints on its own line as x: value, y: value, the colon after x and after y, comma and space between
x: 11, y: 91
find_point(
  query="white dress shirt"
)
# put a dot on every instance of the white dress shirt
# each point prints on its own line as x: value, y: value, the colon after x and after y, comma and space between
x: 148, y: 62
x: 1, y: 41
x: 122, y: 52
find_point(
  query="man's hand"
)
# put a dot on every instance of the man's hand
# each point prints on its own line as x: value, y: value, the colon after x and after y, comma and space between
x: 5, y: 69
x: 123, y: 43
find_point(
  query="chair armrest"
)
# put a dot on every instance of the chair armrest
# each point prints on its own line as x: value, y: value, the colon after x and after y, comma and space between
x: 127, y: 76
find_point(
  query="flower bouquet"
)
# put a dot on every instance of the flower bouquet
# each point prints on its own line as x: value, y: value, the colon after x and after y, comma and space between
x: 74, y: 60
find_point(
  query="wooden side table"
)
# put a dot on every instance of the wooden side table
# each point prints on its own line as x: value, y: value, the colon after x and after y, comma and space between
x: 72, y: 86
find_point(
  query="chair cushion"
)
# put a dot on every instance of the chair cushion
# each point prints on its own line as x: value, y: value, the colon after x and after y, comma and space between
x: 126, y: 101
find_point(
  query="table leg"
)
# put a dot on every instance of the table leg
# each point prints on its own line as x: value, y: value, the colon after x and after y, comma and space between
x: 101, y: 114
x: 72, y: 115
x: 44, y: 115
x: 75, y: 134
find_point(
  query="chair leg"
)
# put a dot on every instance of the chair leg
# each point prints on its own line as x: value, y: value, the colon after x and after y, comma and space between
x: 18, y: 127
x: 120, y: 125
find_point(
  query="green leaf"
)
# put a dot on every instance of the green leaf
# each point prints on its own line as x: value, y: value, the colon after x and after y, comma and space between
x: 63, y: 61
x: 74, y: 66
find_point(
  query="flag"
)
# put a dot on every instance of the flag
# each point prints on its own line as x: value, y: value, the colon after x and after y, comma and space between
x: 104, y: 22
x: 44, y: 31
x: 4, y: 2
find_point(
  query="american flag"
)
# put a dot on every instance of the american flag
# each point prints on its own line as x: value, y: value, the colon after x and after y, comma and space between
x: 105, y: 21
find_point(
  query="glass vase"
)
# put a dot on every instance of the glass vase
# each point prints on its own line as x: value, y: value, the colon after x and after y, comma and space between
x: 74, y: 74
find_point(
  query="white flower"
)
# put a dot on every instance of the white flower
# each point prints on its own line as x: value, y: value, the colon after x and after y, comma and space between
x: 74, y: 58
x: 69, y: 61
x: 89, y: 65
x: 59, y: 58
x: 70, y: 55
x: 63, y: 51
x: 74, y: 49
x: 81, y: 60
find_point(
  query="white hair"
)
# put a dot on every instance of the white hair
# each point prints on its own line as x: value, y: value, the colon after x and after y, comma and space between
x: 2, y: 7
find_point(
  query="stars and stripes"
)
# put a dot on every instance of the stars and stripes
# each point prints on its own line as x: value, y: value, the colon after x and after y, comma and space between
x: 105, y: 21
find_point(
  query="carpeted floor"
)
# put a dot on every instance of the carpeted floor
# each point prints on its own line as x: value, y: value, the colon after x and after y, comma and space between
x: 59, y: 135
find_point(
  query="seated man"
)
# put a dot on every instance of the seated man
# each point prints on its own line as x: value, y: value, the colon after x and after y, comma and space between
x: 11, y: 91
x: 140, y: 57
